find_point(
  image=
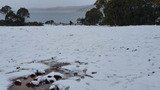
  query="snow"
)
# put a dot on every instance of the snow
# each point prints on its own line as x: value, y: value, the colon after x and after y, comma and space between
x: 18, y: 80
x: 123, y: 57
x: 36, y: 83
x: 74, y: 68
x: 52, y: 87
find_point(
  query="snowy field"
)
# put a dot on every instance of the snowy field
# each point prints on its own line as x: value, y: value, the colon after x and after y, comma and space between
x: 122, y: 58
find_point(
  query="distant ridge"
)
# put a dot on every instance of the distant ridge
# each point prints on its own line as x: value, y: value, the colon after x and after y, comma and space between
x: 63, y: 9
x: 59, y: 14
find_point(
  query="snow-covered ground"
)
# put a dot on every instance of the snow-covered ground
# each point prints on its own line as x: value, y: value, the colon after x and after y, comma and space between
x: 125, y: 58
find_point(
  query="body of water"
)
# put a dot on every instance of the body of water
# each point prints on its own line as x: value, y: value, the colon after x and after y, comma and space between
x: 64, y: 17
x: 58, y: 14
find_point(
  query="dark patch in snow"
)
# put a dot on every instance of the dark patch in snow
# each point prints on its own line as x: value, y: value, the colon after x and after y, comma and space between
x: 36, y: 81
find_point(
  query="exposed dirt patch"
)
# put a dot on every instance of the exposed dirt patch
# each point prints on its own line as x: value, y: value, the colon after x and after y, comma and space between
x: 32, y: 82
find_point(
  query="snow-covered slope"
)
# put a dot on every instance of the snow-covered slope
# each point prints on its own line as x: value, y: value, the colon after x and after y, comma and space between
x: 125, y: 58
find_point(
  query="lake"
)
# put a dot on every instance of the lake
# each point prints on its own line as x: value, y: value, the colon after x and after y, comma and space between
x: 58, y: 14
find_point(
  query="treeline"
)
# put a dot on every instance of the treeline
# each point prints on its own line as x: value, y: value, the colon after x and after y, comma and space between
x: 16, y: 19
x: 123, y: 12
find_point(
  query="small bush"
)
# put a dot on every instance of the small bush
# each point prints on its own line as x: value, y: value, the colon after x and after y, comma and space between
x: 34, y: 24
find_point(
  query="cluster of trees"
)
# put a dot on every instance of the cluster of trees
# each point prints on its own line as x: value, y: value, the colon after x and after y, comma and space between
x: 51, y: 22
x: 92, y: 17
x: 16, y: 19
x: 124, y: 12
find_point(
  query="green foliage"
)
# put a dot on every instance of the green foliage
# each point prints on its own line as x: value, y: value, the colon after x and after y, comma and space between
x: 5, y: 9
x: 23, y: 12
x: 81, y: 21
x: 100, y: 3
x: 129, y: 12
x: 93, y: 17
x: 12, y: 19
x: 10, y: 16
x: 50, y: 22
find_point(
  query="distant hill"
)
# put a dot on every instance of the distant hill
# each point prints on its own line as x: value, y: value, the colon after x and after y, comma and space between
x: 59, y: 14
x: 63, y: 9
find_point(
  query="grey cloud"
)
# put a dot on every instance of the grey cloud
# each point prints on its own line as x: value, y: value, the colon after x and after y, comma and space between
x: 44, y: 3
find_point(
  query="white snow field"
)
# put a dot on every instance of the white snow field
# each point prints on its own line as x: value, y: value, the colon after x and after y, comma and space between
x: 123, y: 58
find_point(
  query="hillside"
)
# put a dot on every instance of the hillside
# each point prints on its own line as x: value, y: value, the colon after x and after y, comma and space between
x: 114, y: 58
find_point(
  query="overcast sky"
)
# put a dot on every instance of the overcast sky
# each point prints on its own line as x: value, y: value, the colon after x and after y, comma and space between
x: 44, y: 3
